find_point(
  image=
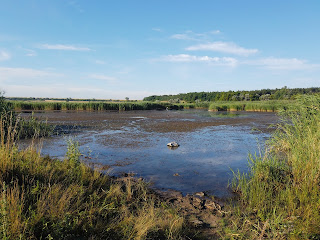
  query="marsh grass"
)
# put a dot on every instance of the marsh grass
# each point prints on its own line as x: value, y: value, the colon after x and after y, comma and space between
x: 92, y: 106
x: 279, y: 196
x: 256, y: 106
x: 44, y: 198
x: 33, y: 127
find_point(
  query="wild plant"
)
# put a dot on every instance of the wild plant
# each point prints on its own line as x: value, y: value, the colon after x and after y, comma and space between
x: 279, y: 195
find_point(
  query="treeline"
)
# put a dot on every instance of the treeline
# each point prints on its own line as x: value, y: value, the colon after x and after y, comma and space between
x: 255, y: 95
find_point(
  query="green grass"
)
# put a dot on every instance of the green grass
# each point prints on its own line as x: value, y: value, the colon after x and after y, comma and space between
x: 279, y: 196
x: 91, y: 106
x: 32, y: 127
x: 257, y: 106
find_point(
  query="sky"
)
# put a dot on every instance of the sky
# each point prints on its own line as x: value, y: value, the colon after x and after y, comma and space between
x: 136, y: 48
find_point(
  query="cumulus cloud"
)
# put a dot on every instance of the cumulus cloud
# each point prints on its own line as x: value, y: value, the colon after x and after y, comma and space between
x: 4, y: 55
x: 190, y: 58
x: 283, y: 63
x: 64, y: 47
x: 103, y: 77
x: 223, y: 47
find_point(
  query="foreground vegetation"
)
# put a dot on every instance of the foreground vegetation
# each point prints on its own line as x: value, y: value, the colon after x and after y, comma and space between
x: 43, y: 198
x: 279, y: 196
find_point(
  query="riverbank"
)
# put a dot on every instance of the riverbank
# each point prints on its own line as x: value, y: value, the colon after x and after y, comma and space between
x: 44, y: 198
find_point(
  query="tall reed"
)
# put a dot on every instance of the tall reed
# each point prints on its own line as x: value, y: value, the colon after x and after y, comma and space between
x: 280, y: 194
x: 92, y: 106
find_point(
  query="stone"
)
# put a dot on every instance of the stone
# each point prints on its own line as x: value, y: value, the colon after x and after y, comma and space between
x: 200, y: 194
x: 173, y: 144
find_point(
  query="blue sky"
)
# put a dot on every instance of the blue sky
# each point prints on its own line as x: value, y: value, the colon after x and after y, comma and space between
x: 137, y: 48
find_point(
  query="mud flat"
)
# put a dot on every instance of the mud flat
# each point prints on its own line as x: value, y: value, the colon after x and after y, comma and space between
x: 135, y: 142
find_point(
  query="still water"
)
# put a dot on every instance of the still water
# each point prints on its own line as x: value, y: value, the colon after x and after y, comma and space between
x: 211, y: 144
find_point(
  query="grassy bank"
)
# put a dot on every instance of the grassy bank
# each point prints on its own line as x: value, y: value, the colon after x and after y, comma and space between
x: 279, y: 196
x: 257, y: 106
x: 43, y: 198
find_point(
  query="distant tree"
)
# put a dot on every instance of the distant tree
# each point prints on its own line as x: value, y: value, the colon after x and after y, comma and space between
x: 127, y: 99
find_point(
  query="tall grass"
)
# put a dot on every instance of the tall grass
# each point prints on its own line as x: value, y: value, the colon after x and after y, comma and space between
x: 280, y: 194
x: 20, y: 127
x: 92, y: 106
x: 43, y: 198
x: 257, y: 106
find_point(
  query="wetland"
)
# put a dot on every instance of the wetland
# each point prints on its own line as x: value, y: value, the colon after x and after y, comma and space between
x: 134, y: 142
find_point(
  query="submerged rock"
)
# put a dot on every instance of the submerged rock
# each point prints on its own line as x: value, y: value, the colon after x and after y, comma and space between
x: 173, y: 144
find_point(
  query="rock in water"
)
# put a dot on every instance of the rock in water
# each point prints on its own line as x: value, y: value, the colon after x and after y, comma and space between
x: 173, y: 144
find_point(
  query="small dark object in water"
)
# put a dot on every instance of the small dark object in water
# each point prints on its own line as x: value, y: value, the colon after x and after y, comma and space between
x: 173, y: 144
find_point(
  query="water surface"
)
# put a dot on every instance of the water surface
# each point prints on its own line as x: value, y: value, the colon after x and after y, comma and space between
x: 211, y: 144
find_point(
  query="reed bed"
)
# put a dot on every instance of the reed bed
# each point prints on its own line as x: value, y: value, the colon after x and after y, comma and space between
x: 279, y: 196
x: 92, y: 106
x: 256, y: 106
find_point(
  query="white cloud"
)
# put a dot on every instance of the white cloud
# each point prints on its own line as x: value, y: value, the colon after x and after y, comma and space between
x: 283, y: 63
x: 181, y: 37
x: 157, y: 29
x: 103, y: 77
x: 215, y: 32
x: 23, y: 73
x: 190, y: 35
x: 224, y: 47
x: 190, y: 58
x: 4, y: 55
x: 64, y: 47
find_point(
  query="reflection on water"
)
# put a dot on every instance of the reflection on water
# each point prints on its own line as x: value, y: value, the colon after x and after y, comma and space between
x: 210, y: 144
